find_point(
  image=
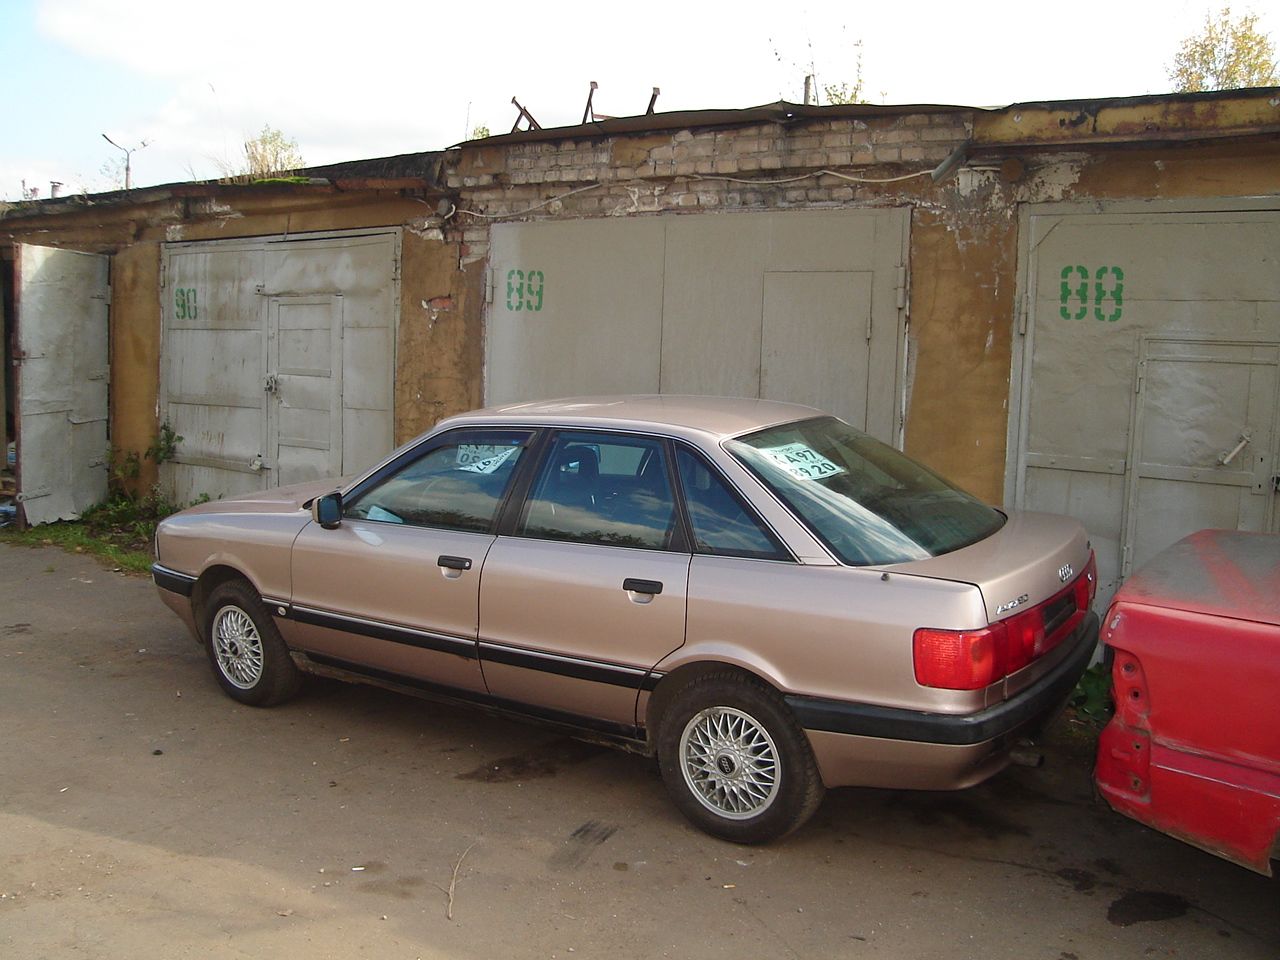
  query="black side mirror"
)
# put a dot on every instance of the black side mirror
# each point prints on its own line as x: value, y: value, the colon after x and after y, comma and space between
x: 327, y: 510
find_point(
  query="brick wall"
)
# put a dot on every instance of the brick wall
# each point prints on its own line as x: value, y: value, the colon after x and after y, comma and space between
x: 691, y: 170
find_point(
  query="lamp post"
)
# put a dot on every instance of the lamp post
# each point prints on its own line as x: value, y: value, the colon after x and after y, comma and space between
x: 128, y: 162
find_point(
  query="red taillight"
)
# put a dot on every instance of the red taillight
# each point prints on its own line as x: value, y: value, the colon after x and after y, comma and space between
x: 959, y: 659
x: 973, y: 659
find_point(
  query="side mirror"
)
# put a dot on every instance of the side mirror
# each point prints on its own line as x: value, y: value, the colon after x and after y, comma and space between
x: 327, y: 510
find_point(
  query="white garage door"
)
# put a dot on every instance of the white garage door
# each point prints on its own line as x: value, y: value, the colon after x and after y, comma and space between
x: 803, y: 306
x: 1145, y: 383
x: 278, y: 359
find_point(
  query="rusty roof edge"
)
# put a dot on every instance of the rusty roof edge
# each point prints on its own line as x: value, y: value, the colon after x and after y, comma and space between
x: 1246, y: 93
x: 780, y: 112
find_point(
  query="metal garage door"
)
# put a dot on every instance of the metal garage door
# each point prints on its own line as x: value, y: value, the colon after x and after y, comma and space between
x: 278, y: 359
x: 800, y: 306
x: 62, y: 346
x: 1145, y: 380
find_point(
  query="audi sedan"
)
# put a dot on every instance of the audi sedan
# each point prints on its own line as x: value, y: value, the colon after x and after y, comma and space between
x: 768, y: 600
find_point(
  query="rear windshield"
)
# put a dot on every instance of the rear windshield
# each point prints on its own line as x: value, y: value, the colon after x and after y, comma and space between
x: 869, y: 503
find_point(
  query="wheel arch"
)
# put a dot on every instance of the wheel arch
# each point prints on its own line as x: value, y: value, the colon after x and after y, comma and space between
x: 676, y: 680
x: 209, y: 580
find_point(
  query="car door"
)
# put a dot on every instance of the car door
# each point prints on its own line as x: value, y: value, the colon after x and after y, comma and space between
x: 587, y: 592
x: 393, y: 589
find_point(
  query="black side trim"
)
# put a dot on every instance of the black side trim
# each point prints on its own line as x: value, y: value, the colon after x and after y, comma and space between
x: 634, y: 678
x: 386, y: 631
x: 866, y: 720
x: 439, y: 691
x: 173, y: 581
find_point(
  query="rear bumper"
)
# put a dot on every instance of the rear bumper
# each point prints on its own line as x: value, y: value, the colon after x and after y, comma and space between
x: 867, y: 745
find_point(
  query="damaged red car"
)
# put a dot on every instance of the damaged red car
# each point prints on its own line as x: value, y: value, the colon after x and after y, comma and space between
x: 1194, y: 747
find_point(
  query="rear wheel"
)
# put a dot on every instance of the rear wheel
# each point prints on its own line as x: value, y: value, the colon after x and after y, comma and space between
x: 735, y: 761
x: 249, y: 658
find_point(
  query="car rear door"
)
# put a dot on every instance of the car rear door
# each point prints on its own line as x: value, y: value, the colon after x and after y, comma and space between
x: 393, y: 590
x: 587, y: 591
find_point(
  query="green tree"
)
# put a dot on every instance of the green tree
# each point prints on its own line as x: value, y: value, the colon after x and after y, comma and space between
x: 1227, y: 54
x: 269, y: 154
x: 479, y: 132
x: 845, y: 92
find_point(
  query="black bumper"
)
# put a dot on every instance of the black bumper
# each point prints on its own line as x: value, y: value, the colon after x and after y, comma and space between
x: 173, y: 581
x: 892, y: 723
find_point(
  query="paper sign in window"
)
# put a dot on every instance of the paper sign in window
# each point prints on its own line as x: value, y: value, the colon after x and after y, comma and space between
x: 475, y: 458
x: 802, y: 461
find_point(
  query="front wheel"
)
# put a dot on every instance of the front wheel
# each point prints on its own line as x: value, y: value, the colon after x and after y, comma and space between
x: 248, y: 655
x: 735, y: 761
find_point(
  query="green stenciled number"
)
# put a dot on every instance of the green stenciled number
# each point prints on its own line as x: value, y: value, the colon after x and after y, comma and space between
x: 533, y: 290
x: 1081, y: 292
x: 1101, y: 293
x: 515, y: 289
x: 184, y: 303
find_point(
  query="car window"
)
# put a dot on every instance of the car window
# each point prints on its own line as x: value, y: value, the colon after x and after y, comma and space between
x: 868, y: 502
x: 602, y: 488
x: 458, y: 485
x: 721, y: 523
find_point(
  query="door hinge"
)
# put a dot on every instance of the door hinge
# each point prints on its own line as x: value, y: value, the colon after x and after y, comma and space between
x: 902, y: 288
x: 1024, y: 313
x: 164, y: 273
x: 488, y: 285
x: 395, y: 267
x: 109, y: 288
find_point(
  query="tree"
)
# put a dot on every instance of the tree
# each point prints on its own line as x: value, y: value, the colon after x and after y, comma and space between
x: 1226, y: 55
x: 267, y: 155
x: 479, y: 132
x: 844, y: 92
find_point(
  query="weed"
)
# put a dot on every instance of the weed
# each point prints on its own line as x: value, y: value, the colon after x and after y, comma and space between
x: 1092, y: 695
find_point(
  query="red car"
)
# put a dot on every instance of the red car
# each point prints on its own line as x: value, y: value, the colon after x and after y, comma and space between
x: 1194, y: 747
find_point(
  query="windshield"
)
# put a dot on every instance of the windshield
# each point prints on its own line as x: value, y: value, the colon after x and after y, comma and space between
x: 869, y: 503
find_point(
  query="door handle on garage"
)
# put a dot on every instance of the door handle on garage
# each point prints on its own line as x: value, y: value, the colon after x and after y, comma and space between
x: 454, y: 563
x: 634, y: 585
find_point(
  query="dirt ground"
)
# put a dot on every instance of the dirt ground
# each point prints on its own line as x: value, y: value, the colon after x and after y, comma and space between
x: 143, y: 814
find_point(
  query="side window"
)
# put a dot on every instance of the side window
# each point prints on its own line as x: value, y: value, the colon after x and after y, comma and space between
x: 602, y: 488
x: 721, y: 524
x: 458, y: 485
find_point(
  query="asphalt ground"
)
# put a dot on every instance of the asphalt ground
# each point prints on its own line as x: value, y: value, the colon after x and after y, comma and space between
x: 144, y: 814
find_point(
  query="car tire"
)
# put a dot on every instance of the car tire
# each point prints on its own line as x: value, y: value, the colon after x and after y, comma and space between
x: 735, y: 761
x: 249, y: 658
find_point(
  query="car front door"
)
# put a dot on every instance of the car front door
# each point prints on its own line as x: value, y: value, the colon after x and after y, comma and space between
x: 393, y: 590
x: 588, y: 590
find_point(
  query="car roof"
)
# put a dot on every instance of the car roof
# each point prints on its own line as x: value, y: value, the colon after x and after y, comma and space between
x: 718, y: 417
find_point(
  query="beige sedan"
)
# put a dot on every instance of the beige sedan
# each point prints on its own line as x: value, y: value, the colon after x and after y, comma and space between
x: 767, y: 599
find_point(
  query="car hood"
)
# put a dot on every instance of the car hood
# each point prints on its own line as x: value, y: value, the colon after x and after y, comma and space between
x: 1025, y: 557
x: 277, y: 500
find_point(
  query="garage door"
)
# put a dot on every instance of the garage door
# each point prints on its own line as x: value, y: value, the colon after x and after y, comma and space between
x: 1145, y: 377
x: 804, y: 306
x: 278, y: 359
x: 61, y: 358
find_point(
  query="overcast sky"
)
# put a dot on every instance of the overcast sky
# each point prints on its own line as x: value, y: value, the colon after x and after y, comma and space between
x: 355, y: 80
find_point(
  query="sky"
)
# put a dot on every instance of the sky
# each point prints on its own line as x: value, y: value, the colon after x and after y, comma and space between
x: 194, y: 79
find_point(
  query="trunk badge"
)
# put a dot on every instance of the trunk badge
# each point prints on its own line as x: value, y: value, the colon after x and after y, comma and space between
x: 1064, y: 572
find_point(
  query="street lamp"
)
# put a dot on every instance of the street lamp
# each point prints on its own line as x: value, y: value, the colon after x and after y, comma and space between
x: 128, y: 154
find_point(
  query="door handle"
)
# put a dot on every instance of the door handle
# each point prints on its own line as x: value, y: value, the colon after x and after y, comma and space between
x: 454, y: 563
x: 634, y: 585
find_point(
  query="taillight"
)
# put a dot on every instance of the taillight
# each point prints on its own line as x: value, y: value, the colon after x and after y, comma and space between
x: 959, y: 659
x: 973, y: 659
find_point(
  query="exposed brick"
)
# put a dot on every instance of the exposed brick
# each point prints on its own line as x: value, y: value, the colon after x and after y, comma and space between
x: 704, y: 166
x: 770, y: 162
x: 749, y: 163
x: 942, y: 133
x: 842, y: 193
x: 912, y: 153
x: 685, y: 168
x: 725, y: 165
x: 887, y: 154
x: 837, y: 139
x: 662, y: 153
x: 682, y: 135
x: 795, y: 195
